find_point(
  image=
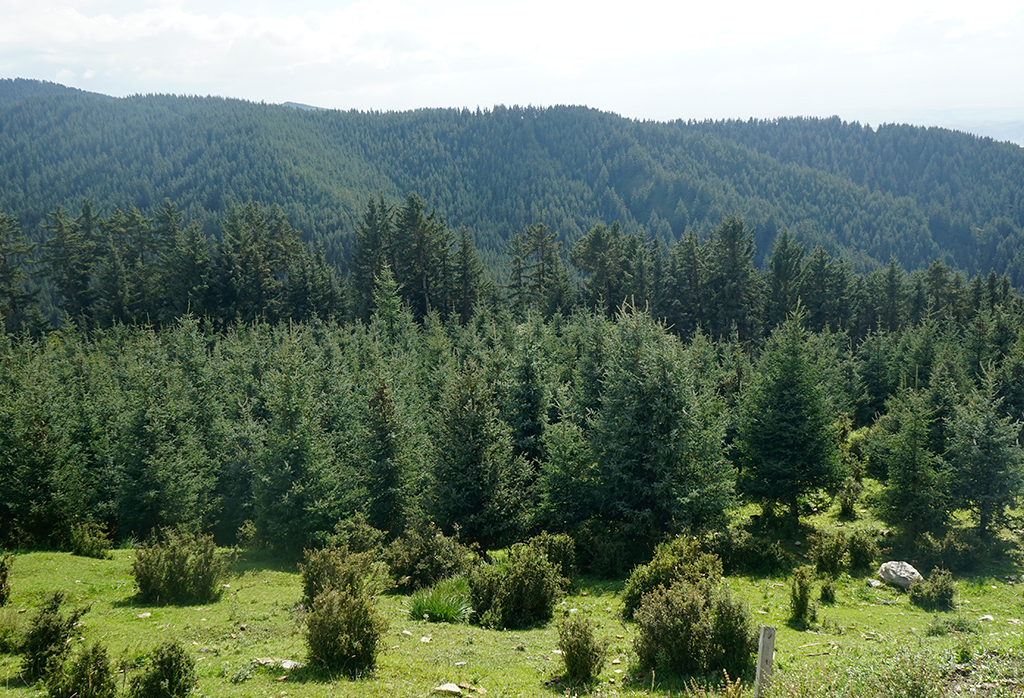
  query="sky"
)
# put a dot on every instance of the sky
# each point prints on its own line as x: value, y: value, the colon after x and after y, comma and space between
x: 915, y: 61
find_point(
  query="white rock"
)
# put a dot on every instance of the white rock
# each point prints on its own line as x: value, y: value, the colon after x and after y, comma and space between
x: 899, y: 573
x: 986, y: 619
x: 448, y: 689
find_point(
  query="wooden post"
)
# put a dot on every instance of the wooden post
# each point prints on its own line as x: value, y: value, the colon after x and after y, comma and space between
x: 765, y: 657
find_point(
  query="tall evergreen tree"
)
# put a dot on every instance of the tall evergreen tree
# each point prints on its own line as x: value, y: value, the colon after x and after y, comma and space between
x: 785, y: 437
x: 17, y: 304
x: 731, y: 282
x: 658, y: 438
x: 986, y: 458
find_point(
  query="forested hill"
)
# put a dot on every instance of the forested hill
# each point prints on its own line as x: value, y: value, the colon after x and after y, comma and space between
x: 865, y: 193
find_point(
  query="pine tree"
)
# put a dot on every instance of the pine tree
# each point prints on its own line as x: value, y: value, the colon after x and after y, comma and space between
x: 785, y: 435
x: 916, y: 494
x: 658, y: 438
x: 17, y: 304
x: 478, y: 483
x: 986, y: 458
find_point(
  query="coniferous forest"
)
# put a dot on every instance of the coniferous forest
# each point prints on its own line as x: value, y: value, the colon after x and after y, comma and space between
x: 219, y: 312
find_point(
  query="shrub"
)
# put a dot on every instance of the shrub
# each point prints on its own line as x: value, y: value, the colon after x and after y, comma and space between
x: 960, y: 624
x: 734, y: 635
x: 90, y: 540
x: 560, y: 550
x: 445, y: 602
x: 826, y: 551
x: 47, y: 640
x: 801, y: 610
x: 848, y: 495
x: 828, y: 591
x: 693, y: 629
x: 937, y: 592
x: 344, y: 631
x: 517, y: 592
x: 680, y: 559
x: 862, y: 549
x: 178, y: 567
x: 6, y: 561
x: 740, y: 551
x: 420, y: 558
x: 357, y: 535
x: 170, y: 673
x: 960, y: 550
x: 604, y: 552
x: 90, y: 675
x: 338, y: 568
x: 583, y: 654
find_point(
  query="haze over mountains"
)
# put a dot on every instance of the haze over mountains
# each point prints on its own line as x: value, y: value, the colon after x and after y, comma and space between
x: 915, y: 193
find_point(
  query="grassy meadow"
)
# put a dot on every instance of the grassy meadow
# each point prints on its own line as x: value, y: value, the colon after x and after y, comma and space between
x: 870, y: 641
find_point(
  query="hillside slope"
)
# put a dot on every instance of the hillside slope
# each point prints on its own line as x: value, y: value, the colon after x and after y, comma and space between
x: 867, y: 193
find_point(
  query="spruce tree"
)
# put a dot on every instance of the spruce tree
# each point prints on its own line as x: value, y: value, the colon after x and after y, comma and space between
x: 785, y: 435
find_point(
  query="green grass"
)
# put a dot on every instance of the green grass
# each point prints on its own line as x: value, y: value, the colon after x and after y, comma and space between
x: 870, y: 638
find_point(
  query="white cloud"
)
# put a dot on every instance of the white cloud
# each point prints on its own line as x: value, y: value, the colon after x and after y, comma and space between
x: 645, y: 58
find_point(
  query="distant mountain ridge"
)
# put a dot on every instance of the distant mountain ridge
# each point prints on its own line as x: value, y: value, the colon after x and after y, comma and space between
x: 918, y: 194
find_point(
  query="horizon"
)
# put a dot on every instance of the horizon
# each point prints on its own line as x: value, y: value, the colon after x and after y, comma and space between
x: 922, y: 63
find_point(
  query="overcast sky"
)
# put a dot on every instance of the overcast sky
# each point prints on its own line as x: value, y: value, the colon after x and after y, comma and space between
x: 864, y: 60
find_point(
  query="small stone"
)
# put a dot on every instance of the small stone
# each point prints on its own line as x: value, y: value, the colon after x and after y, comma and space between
x: 424, y: 639
x: 616, y: 661
x: 290, y: 664
x: 147, y: 614
x: 556, y: 651
x: 233, y: 636
x: 986, y: 619
x: 448, y: 689
x: 874, y: 583
x: 406, y: 632
x: 460, y: 663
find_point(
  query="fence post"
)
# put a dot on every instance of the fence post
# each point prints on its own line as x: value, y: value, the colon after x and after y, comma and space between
x: 765, y: 657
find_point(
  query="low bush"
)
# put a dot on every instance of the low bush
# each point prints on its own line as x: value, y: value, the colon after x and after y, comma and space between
x: 178, y: 567
x: 420, y: 558
x: 169, y: 673
x: 826, y: 551
x: 937, y: 592
x: 357, y: 535
x: 960, y: 624
x: 560, y: 550
x: 344, y: 631
x: 740, y: 551
x: 47, y: 640
x: 338, y: 568
x: 517, y: 592
x: 604, y: 552
x: 693, y: 629
x: 89, y: 540
x: 89, y: 675
x: 848, y: 496
x: 680, y: 559
x: 862, y: 549
x: 583, y: 654
x: 6, y: 562
x: 801, y: 609
x: 828, y: 591
x: 959, y: 550
x: 447, y: 601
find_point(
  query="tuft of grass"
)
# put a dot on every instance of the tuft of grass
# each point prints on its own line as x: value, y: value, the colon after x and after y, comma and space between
x: 444, y: 602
